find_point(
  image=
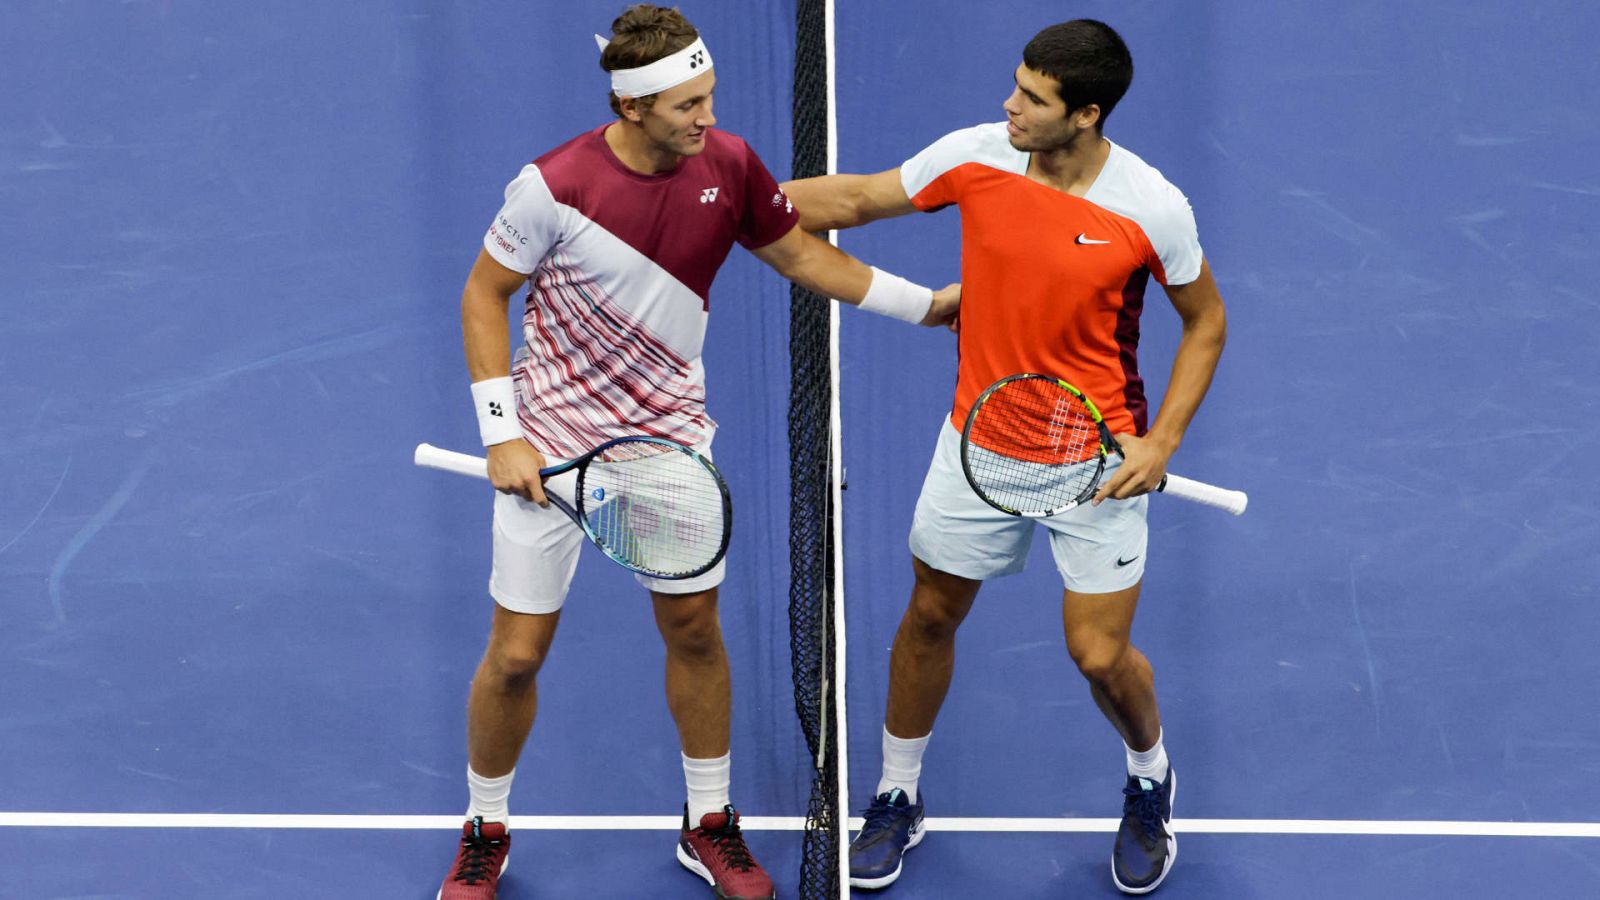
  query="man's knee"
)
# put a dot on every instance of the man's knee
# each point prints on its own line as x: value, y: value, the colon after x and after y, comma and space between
x: 513, y: 668
x: 518, y: 645
x: 691, y: 628
x: 1099, y: 657
x: 939, y: 602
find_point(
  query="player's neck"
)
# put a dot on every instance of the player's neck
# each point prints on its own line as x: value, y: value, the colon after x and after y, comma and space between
x: 1071, y: 168
x: 636, y: 151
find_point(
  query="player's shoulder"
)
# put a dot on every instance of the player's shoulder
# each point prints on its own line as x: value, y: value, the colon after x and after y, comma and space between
x: 987, y: 143
x: 577, y: 150
x: 1135, y: 182
x: 566, y: 170
x: 1133, y: 188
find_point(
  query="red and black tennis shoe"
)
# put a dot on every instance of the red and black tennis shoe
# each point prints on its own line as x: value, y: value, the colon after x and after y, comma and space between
x: 475, y: 874
x: 716, y: 852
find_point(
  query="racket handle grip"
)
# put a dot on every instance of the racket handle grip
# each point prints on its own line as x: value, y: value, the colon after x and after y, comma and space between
x: 432, y: 457
x: 1207, y: 494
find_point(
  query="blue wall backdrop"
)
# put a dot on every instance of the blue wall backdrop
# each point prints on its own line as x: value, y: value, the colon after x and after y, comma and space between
x: 234, y: 239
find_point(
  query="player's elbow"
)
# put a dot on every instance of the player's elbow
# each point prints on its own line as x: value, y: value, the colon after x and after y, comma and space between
x: 858, y: 205
x: 1207, y: 325
x: 793, y: 264
x: 480, y: 302
x: 1218, y: 325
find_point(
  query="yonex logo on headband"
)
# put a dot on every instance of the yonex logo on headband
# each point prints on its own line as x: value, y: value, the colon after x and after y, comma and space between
x: 664, y: 73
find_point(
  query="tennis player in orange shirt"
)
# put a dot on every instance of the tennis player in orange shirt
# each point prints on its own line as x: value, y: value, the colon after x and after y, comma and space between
x: 1061, y: 230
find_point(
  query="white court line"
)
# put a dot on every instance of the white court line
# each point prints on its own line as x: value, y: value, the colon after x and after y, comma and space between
x: 244, y: 820
x: 1286, y: 826
x: 795, y: 823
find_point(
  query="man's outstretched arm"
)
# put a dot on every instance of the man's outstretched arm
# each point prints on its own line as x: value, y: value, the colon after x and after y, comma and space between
x: 845, y: 201
x: 817, y: 265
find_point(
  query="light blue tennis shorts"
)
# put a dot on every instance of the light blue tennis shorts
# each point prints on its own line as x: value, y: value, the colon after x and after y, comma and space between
x: 1098, y: 549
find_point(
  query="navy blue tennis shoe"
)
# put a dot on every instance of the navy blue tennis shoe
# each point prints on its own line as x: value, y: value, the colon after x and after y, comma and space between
x: 893, y: 826
x: 1146, y: 846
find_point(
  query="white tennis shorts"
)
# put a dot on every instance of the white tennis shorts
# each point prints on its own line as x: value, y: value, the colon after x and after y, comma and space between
x: 536, y: 551
x: 1098, y: 549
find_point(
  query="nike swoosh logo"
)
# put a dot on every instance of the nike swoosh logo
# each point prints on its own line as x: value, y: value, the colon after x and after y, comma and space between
x: 1122, y: 562
x: 1085, y: 239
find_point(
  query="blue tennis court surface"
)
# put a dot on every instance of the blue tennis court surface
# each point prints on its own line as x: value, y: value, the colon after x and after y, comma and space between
x: 234, y: 242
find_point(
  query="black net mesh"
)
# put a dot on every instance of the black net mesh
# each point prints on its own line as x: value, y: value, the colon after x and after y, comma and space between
x: 811, y: 500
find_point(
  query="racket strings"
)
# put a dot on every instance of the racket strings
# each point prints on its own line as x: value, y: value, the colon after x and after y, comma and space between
x: 1034, y: 447
x: 658, y: 509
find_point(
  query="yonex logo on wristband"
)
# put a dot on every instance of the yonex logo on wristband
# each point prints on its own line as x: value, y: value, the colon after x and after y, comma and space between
x: 491, y: 398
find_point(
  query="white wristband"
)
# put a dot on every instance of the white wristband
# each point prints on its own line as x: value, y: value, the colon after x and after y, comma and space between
x: 496, y: 403
x: 891, y: 295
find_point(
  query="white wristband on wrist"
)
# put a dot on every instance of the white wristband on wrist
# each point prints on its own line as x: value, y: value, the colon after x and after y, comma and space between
x: 893, y: 296
x: 496, y: 403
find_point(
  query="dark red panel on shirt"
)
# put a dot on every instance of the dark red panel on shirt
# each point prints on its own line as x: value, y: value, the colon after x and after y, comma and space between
x: 686, y: 220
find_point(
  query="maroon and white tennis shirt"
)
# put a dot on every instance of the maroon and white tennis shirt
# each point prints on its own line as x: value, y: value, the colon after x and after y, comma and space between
x: 620, y: 267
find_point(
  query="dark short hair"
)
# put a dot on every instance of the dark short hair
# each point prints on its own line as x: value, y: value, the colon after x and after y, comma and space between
x: 1088, y: 59
x: 643, y: 34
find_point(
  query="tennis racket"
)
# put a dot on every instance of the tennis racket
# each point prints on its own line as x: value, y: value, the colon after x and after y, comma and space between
x: 652, y: 505
x: 1036, y: 446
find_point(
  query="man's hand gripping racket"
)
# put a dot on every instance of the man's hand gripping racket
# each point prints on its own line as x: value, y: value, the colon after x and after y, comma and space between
x: 654, y: 506
x: 1036, y: 446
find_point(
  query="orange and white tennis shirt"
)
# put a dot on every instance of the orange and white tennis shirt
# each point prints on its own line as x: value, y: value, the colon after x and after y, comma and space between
x: 1052, y: 283
x: 620, y: 266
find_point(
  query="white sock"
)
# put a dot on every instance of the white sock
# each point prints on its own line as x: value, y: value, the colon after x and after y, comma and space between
x: 488, y: 796
x: 1149, y: 764
x: 902, y: 763
x: 707, y: 780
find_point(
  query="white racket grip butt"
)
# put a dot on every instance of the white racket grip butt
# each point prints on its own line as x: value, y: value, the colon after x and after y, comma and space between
x: 432, y: 457
x: 1207, y: 494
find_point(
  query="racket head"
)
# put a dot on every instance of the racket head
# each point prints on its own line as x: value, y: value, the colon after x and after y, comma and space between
x: 1034, y: 446
x: 654, y: 506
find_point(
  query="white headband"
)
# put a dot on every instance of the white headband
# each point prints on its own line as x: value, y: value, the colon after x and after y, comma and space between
x: 664, y: 73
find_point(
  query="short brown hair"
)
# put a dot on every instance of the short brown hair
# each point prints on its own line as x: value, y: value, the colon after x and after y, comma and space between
x: 643, y: 34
